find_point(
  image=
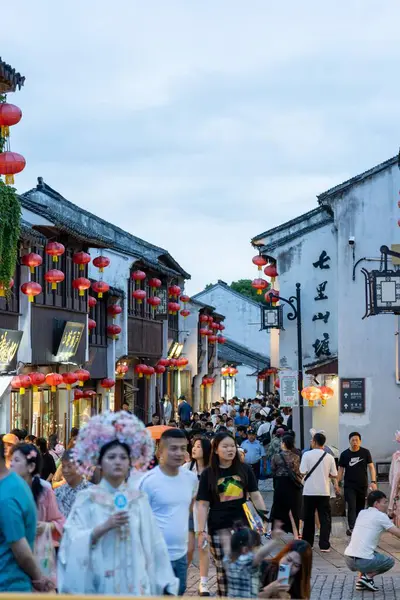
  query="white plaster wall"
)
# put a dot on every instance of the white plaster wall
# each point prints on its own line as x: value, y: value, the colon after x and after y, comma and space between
x: 246, y: 384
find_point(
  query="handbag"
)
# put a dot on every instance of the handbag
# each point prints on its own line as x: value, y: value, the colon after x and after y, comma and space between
x: 45, y: 553
x: 319, y: 461
x: 292, y: 475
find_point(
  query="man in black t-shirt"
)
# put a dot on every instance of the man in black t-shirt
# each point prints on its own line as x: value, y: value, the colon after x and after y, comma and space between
x: 354, y: 464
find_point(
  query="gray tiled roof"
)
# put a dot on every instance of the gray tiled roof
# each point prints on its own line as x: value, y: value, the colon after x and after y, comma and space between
x: 232, y: 352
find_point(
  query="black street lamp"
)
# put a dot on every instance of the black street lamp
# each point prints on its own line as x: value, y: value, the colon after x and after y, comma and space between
x: 295, y: 315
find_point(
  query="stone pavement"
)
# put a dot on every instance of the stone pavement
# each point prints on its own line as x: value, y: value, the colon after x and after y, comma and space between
x: 331, y: 580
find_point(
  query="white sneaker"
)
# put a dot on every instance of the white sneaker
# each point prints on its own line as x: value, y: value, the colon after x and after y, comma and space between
x: 203, y: 589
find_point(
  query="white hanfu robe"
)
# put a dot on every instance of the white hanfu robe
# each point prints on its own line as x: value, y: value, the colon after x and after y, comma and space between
x: 127, y: 561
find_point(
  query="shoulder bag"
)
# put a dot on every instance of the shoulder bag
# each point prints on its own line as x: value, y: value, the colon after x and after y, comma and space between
x: 319, y: 461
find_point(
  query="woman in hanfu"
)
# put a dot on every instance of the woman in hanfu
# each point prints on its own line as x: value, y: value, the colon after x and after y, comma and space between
x: 111, y: 543
x: 394, y: 480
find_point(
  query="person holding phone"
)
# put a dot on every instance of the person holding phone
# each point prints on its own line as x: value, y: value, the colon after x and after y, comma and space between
x: 288, y: 574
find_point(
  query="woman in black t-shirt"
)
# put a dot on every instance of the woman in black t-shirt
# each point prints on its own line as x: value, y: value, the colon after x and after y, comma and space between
x: 223, y: 489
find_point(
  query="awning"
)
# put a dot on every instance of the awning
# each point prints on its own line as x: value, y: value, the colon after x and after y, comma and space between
x: 326, y: 367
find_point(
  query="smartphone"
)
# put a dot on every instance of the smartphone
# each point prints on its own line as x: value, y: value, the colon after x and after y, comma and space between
x: 284, y: 574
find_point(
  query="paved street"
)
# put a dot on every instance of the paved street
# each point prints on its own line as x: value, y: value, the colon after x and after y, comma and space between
x: 331, y: 580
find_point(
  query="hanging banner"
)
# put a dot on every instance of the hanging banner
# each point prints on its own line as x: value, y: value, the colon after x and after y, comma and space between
x: 289, y: 388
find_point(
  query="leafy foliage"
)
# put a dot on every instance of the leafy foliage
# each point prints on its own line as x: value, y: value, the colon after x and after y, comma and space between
x: 10, y: 228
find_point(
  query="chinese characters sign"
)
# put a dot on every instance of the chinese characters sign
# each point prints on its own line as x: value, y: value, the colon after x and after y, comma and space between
x: 352, y: 395
x: 289, y: 389
x: 9, y: 344
x: 321, y: 344
x: 70, y: 340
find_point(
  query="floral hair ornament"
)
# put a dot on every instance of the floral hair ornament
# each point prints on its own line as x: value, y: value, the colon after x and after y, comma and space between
x: 113, y: 427
x: 397, y: 436
x: 32, y: 455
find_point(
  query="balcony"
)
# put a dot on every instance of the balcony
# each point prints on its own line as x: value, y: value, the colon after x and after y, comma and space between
x: 145, y: 337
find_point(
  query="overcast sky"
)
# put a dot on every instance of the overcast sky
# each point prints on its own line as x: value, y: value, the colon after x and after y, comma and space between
x: 197, y: 124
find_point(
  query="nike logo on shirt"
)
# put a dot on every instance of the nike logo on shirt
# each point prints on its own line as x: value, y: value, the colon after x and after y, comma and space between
x: 355, y: 461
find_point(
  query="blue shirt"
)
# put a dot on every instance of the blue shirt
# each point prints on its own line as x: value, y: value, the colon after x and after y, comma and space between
x: 17, y: 520
x: 254, y: 451
x: 242, y: 421
x: 184, y: 411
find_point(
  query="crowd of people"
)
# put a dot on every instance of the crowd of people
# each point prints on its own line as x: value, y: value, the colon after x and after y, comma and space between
x: 113, y: 514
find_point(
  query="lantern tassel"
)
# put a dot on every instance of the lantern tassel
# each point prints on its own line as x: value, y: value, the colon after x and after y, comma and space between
x: 30, y: 298
x: 81, y: 267
x: 53, y: 286
x: 81, y: 384
x: 32, y: 269
x: 2, y: 294
x: 100, y: 295
x: 55, y: 258
x: 53, y: 388
x: 22, y: 391
x: 9, y: 179
x: 81, y: 292
x: 5, y: 131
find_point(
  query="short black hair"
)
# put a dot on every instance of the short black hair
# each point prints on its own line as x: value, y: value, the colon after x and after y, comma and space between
x: 173, y: 434
x: 288, y: 440
x: 258, y: 415
x: 241, y: 428
x: 353, y: 433
x: 319, y: 439
x: 375, y: 497
x: 154, y: 415
x: 209, y: 424
x: 125, y: 403
x: 241, y: 409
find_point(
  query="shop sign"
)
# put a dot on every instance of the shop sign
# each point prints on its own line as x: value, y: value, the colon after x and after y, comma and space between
x: 289, y: 395
x: 352, y: 395
x: 70, y: 339
x: 9, y: 344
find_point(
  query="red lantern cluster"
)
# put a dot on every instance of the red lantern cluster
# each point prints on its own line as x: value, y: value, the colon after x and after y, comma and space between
x: 182, y: 362
x: 121, y: 370
x: 144, y: 371
x: 174, y: 291
x: 173, y: 308
x: 208, y: 381
x: 11, y: 163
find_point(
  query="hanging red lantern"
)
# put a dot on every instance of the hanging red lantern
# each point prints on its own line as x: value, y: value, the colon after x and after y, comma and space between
x: 140, y: 370
x: 107, y: 383
x: 83, y: 376
x: 225, y: 372
x: 163, y: 362
x: 259, y: 285
x: 69, y: 379
x: 55, y: 249
x: 121, y: 370
x: 182, y: 362
x: 221, y: 327
x: 160, y: 369
x: 275, y: 297
x: 215, y: 326
x: 185, y: 313
x: 100, y: 287
x: 153, y: 301
x: 204, y: 332
x: 78, y: 394
x: 326, y: 393
x: 203, y: 318
x: 81, y: 284
x: 173, y: 363
x: 37, y: 379
x: 259, y: 261
x: 277, y: 384
x: 311, y: 393
x: 31, y: 289
x: 139, y: 296
x: 54, y: 276
x: 4, y: 289
x: 154, y: 284
x: 114, y: 310
x: 174, y: 291
x: 53, y: 380
x: 9, y: 115
x: 11, y: 163
x: 89, y: 394
x: 101, y: 262
x: 185, y: 299
x: 271, y: 271
x: 81, y: 259
x: 173, y: 308
x: 21, y: 382
x: 149, y: 371
x: 209, y: 381
x: 91, y: 324
x: 31, y: 260
x: 221, y: 339
x: 92, y: 301
x: 233, y: 371
x: 138, y: 276
x: 113, y: 331
x: 212, y: 338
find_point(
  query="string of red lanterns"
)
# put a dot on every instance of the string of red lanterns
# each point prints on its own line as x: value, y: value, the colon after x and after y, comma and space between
x: 11, y: 163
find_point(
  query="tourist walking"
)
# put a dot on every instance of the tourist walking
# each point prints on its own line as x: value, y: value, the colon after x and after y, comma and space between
x: 19, y: 570
x: 354, y: 464
x: 74, y: 483
x: 242, y: 419
x: 319, y: 468
x: 184, y: 410
x: 201, y: 454
x: 171, y: 491
x: 48, y: 465
x: 361, y: 554
x: 111, y: 543
x: 288, y: 486
x: 254, y: 452
x: 224, y: 486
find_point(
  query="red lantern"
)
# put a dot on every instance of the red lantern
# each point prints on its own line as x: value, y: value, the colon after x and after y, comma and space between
x: 154, y: 301
x: 31, y: 289
x: 113, y: 331
x: 221, y: 327
x: 107, y: 383
x: 233, y: 371
x: 277, y: 384
x: 204, y: 332
x: 53, y: 380
x: 275, y: 298
x: 81, y: 259
x: 149, y: 371
x: 203, y: 319
x: 9, y: 115
x: 209, y: 381
x: 100, y: 287
x: 160, y: 369
x: 31, y: 260
x: 89, y: 394
x: 259, y: 261
x: 182, y: 362
x: 174, y: 291
x: 221, y: 339
x: 163, y: 362
x: 121, y: 370
x: 55, y: 249
x: 78, y: 394
x: 92, y: 301
x: 214, y: 326
x: 225, y: 371
x: 37, y: 379
x: 140, y: 370
x: 185, y: 313
x: 259, y: 285
x: 139, y: 296
x: 101, y: 262
x: 326, y: 393
x: 212, y: 338
x: 54, y: 276
x: 114, y: 310
x: 4, y: 289
x: 311, y: 393
x: 271, y: 271
x: 91, y: 324
x: 185, y: 299
x: 83, y: 376
x: 154, y: 284
x: 173, y: 308
x: 69, y: 379
x: 11, y: 163
x: 81, y: 284
x: 173, y: 363
x: 138, y: 276
x: 21, y: 382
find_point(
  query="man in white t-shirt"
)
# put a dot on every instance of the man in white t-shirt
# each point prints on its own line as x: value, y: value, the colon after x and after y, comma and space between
x: 223, y: 407
x: 319, y: 468
x: 361, y: 554
x: 171, y: 491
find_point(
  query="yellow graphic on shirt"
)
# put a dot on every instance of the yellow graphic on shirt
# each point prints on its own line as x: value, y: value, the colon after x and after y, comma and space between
x: 230, y: 488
